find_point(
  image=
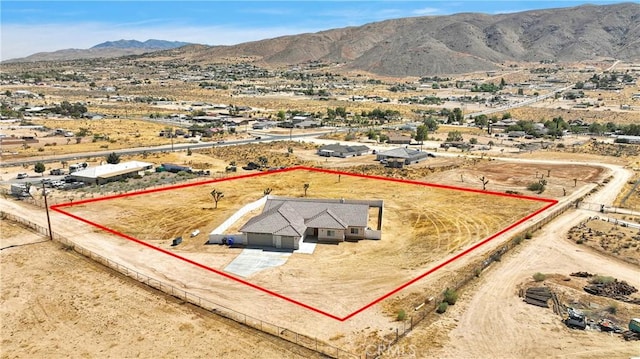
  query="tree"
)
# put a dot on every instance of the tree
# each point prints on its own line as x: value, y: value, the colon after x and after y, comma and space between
x: 282, y: 115
x: 454, y: 136
x: 421, y: 133
x: 39, y: 168
x: 481, y: 121
x: 306, y: 187
x: 473, y: 141
x: 263, y: 161
x: 217, y: 196
x: 484, y: 183
x: 491, y: 144
x: 431, y: 123
x: 113, y: 158
x: 457, y: 113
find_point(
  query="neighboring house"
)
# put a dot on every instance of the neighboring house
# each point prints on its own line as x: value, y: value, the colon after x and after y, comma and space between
x: 628, y: 139
x: 263, y: 125
x: 399, y: 139
x: 398, y: 157
x: 111, y: 172
x: 285, y: 222
x: 308, y: 124
x: 338, y: 150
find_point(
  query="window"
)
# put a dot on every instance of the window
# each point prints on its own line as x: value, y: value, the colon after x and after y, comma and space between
x: 331, y: 233
x: 354, y: 230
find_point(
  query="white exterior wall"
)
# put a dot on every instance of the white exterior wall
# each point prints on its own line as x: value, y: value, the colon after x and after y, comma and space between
x: 338, y: 234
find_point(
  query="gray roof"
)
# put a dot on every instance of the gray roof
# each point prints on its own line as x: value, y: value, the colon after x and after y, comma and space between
x: 336, y: 147
x: 402, y: 152
x: 292, y: 216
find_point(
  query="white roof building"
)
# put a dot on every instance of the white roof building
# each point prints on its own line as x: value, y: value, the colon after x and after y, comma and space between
x: 111, y: 172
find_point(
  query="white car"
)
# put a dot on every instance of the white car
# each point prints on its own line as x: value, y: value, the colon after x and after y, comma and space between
x: 22, y: 175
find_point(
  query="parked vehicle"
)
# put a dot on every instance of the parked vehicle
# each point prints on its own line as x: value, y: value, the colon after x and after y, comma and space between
x: 22, y: 175
x: 56, y: 172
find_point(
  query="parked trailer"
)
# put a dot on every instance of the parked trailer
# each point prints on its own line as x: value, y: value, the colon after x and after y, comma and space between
x: 19, y: 190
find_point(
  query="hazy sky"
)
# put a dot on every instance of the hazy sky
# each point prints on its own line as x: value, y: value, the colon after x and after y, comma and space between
x: 27, y: 27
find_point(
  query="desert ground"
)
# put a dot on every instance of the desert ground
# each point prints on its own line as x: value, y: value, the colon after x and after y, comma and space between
x: 76, y: 308
x: 162, y: 224
x: 420, y: 226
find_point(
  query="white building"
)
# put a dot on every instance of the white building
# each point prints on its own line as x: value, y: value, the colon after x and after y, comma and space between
x: 111, y: 172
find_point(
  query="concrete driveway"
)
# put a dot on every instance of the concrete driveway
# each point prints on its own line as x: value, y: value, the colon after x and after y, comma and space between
x: 253, y: 260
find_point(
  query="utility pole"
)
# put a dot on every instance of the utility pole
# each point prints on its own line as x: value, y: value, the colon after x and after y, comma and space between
x: 171, y: 135
x: 46, y: 206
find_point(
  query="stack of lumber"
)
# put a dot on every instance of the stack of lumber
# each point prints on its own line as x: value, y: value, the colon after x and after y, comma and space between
x: 538, y: 296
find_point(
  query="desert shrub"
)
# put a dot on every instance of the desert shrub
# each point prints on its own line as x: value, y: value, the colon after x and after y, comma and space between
x: 517, y: 240
x: 579, y: 241
x: 528, y: 235
x: 601, y: 279
x: 450, y: 296
x: 612, y: 308
x: 539, y: 277
x: 442, y: 307
x: 536, y: 187
x: 402, y: 315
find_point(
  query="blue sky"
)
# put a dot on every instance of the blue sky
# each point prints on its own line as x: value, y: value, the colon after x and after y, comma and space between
x: 27, y: 27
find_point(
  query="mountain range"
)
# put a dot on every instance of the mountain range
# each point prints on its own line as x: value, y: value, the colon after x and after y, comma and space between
x: 107, y: 49
x: 457, y: 43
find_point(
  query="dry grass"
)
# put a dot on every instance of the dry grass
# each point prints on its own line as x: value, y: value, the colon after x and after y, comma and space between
x: 421, y: 225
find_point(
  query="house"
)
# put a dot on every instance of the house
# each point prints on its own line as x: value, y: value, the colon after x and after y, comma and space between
x: 627, y: 139
x: 308, y: 124
x: 263, y: 125
x: 285, y: 222
x: 401, y: 156
x: 344, y: 151
x: 111, y: 172
x: 399, y: 139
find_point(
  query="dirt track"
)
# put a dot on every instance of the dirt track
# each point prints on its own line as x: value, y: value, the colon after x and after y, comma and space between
x: 491, y: 321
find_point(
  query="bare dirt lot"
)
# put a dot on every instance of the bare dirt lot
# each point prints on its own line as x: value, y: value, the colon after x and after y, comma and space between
x: 378, y: 320
x: 420, y: 227
x: 76, y: 308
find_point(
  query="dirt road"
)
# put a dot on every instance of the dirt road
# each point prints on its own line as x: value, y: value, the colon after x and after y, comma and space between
x: 491, y: 321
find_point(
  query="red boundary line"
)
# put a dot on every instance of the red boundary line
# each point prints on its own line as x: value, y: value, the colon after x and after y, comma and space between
x: 551, y: 202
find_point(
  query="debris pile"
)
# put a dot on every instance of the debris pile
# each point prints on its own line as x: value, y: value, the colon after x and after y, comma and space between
x: 581, y: 274
x: 619, y: 290
x: 629, y: 335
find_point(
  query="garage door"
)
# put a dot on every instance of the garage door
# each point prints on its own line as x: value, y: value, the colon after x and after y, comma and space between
x: 289, y: 242
x: 260, y: 239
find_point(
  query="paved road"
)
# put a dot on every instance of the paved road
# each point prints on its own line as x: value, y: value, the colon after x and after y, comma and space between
x: 265, y: 137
